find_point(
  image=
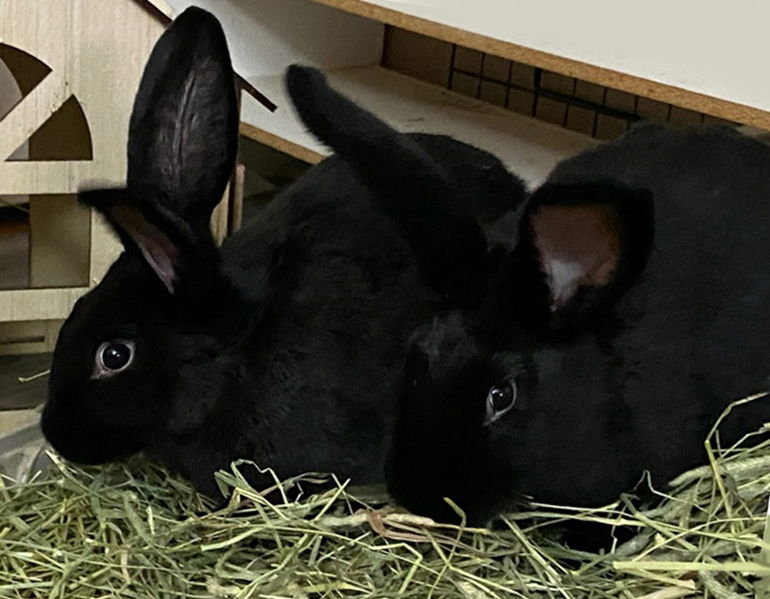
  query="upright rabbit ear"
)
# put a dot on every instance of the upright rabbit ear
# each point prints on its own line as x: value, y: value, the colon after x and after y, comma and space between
x: 184, y: 259
x: 407, y: 184
x: 589, y: 242
x: 183, y: 133
x: 181, y: 150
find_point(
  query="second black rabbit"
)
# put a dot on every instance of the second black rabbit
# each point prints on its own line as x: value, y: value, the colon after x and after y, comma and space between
x: 634, y: 309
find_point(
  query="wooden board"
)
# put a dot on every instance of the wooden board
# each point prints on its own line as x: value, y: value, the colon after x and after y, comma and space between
x: 91, y: 55
x: 87, y: 58
x: 38, y: 304
x: 704, y: 55
x: 27, y: 337
x: 10, y: 94
x: 529, y: 148
x: 59, y: 242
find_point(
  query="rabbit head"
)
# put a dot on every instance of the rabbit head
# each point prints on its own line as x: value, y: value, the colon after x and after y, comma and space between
x: 469, y: 373
x: 118, y: 357
x: 453, y: 387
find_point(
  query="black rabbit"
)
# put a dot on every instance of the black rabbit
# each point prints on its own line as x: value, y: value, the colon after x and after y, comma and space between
x: 634, y: 309
x: 286, y: 346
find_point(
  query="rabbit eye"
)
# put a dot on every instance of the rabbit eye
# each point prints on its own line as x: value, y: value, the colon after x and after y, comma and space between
x: 113, y: 357
x: 500, y: 400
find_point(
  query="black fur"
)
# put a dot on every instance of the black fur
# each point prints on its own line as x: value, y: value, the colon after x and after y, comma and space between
x: 439, y: 221
x: 634, y: 375
x: 286, y: 346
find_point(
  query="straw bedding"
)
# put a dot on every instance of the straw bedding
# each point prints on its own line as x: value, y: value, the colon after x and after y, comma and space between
x: 132, y: 530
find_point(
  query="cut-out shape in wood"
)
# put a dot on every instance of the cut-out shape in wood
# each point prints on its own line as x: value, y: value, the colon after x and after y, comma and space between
x: 76, y: 66
x: 64, y: 134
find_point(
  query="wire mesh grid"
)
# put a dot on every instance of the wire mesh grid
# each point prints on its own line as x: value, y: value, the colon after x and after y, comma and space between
x: 592, y: 109
x: 581, y: 106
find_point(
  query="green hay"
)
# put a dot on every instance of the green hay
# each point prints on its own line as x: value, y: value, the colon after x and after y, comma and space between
x: 135, y: 531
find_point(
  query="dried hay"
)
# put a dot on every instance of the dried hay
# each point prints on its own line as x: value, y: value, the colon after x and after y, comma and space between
x: 134, y: 531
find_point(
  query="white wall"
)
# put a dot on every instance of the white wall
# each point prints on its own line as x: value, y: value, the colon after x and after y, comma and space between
x: 265, y: 36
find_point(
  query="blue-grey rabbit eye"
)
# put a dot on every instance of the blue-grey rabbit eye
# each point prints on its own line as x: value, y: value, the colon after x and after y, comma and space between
x: 113, y: 357
x: 500, y: 400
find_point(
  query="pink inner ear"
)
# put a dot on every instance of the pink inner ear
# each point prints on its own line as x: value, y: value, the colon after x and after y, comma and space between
x: 161, y: 259
x: 156, y: 248
x: 579, y: 246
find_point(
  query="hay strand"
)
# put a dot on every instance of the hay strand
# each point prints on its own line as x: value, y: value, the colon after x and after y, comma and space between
x: 135, y: 531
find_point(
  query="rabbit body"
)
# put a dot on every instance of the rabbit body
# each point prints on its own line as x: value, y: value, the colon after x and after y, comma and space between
x: 284, y: 347
x: 314, y: 386
x: 615, y: 384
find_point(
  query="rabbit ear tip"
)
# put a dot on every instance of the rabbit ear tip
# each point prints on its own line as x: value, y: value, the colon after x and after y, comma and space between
x: 196, y: 13
x: 195, y: 24
x: 299, y: 70
x: 300, y: 78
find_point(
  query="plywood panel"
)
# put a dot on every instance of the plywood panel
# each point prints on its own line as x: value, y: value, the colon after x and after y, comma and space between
x: 94, y: 54
x: 417, y: 55
x: 105, y: 247
x: 10, y: 94
x: 38, y: 304
x: 50, y: 177
x: 90, y: 55
x: 24, y: 337
x: 31, y: 112
x: 60, y: 240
